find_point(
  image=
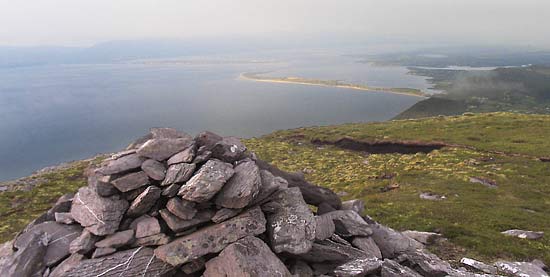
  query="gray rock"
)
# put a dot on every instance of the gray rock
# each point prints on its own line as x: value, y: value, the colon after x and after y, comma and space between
x: 177, y: 224
x: 540, y: 264
x: 520, y: 269
x: 207, y: 182
x: 29, y: 259
x: 291, y: 227
x: 269, y: 185
x: 392, y: 268
x: 144, y: 202
x: 225, y: 214
x: 243, y: 186
x: 185, y: 156
x: 478, y: 265
x: 432, y: 196
x: 207, y: 140
x: 66, y: 265
x: 391, y: 242
x: 181, y: 208
x: 59, y: 238
x: 154, y: 240
x: 154, y: 169
x: 168, y: 133
x: 84, y: 243
x: 368, y: 246
x: 202, y: 157
x: 330, y: 251
x: 65, y: 218
x: 171, y: 190
x: 359, y: 267
x: 102, y: 184
x: 325, y: 227
x: 301, y: 269
x: 422, y: 237
x: 134, y: 262
x: 147, y: 226
x: 349, y: 223
x: 249, y: 256
x: 193, y: 266
x: 116, y: 240
x: 103, y: 251
x: 356, y: 205
x: 428, y: 264
x: 522, y: 234
x: 178, y: 173
x: 6, y: 251
x: 133, y: 194
x: 99, y: 215
x: 161, y: 149
x: 324, y: 208
x: 131, y: 181
x: 229, y: 149
x: 212, y: 239
x: 122, y: 164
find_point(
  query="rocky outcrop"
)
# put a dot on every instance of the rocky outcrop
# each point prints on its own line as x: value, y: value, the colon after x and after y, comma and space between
x: 173, y: 205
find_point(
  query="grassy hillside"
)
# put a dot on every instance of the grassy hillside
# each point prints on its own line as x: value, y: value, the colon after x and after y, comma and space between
x: 501, y: 147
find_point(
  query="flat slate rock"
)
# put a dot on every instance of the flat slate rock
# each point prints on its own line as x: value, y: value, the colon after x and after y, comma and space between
x: 225, y: 214
x: 301, y: 269
x: 356, y: 205
x: 212, y: 239
x: 147, y: 226
x: 391, y: 242
x: 522, y: 234
x: 178, y: 173
x: 368, y: 246
x: 477, y: 265
x: 520, y: 269
x: 207, y: 181
x: 291, y: 227
x: 330, y: 251
x: 102, y: 184
x: 68, y: 264
x: 171, y: 190
x: 134, y: 262
x: 269, y: 185
x: 154, y: 169
x: 131, y: 181
x: 185, y: 156
x: 154, y: 240
x: 229, y: 149
x: 99, y: 215
x: 29, y: 259
x: 325, y: 227
x: 122, y: 164
x: 207, y: 140
x: 392, y: 268
x: 359, y: 267
x: 59, y: 238
x: 177, y: 224
x: 243, y: 186
x: 428, y: 264
x: 168, y: 133
x: 249, y: 256
x: 349, y: 223
x: 181, y: 208
x: 144, y: 202
x: 84, y: 243
x: 117, y: 239
x: 161, y: 149
x: 422, y: 237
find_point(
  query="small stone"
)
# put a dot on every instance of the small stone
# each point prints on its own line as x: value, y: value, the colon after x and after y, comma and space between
x: 65, y: 218
x: 239, y: 191
x: 178, y: 173
x: 131, y: 181
x: 349, y: 223
x: 84, y: 243
x: 168, y: 133
x: 193, y: 266
x: 117, y: 240
x: 185, y: 156
x: 202, y: 157
x: 229, y: 149
x: 102, y: 184
x: 422, y: 237
x: 66, y: 265
x: 325, y: 227
x: 520, y: 269
x: 391, y: 242
x: 154, y: 240
x: 368, y: 246
x: 212, y: 239
x: 225, y: 214
x: 249, y: 256
x: 122, y: 164
x: 207, y: 140
x: 181, y: 208
x: 522, y: 234
x: 133, y: 194
x: 356, y: 205
x: 428, y: 264
x: 479, y: 265
x: 171, y: 190
x: 301, y: 269
x: 161, y: 149
x: 330, y: 251
x: 178, y: 225
x: 359, y: 267
x: 147, y: 226
x: 144, y: 202
x: 269, y: 185
x: 155, y: 170
x: 432, y: 196
x: 392, y: 268
x: 207, y: 182
x: 104, y: 251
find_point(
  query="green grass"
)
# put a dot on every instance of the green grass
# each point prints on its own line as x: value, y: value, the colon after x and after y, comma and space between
x: 473, y: 215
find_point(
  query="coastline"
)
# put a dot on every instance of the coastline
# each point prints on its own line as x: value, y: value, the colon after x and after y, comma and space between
x: 319, y: 83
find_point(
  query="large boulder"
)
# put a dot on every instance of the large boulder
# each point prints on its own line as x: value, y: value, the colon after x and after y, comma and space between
x: 212, y: 239
x: 249, y: 256
x: 291, y: 226
x: 29, y: 258
x: 207, y: 181
x: 243, y: 186
x: 99, y: 215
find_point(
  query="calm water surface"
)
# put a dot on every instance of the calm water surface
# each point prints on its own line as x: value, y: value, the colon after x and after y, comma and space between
x: 53, y: 114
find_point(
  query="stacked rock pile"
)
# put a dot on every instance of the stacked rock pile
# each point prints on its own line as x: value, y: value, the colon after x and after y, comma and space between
x: 174, y: 205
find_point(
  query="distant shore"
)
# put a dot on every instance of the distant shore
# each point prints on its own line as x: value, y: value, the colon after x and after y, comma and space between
x: 330, y: 83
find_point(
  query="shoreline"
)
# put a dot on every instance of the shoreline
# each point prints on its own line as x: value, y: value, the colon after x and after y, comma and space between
x: 300, y: 81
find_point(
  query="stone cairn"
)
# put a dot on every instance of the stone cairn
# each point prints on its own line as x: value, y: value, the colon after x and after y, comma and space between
x: 174, y: 205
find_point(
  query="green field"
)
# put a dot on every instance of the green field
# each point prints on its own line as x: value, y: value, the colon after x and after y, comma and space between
x: 502, y: 147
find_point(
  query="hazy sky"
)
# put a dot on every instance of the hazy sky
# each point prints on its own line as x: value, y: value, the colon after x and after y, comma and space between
x: 84, y: 22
